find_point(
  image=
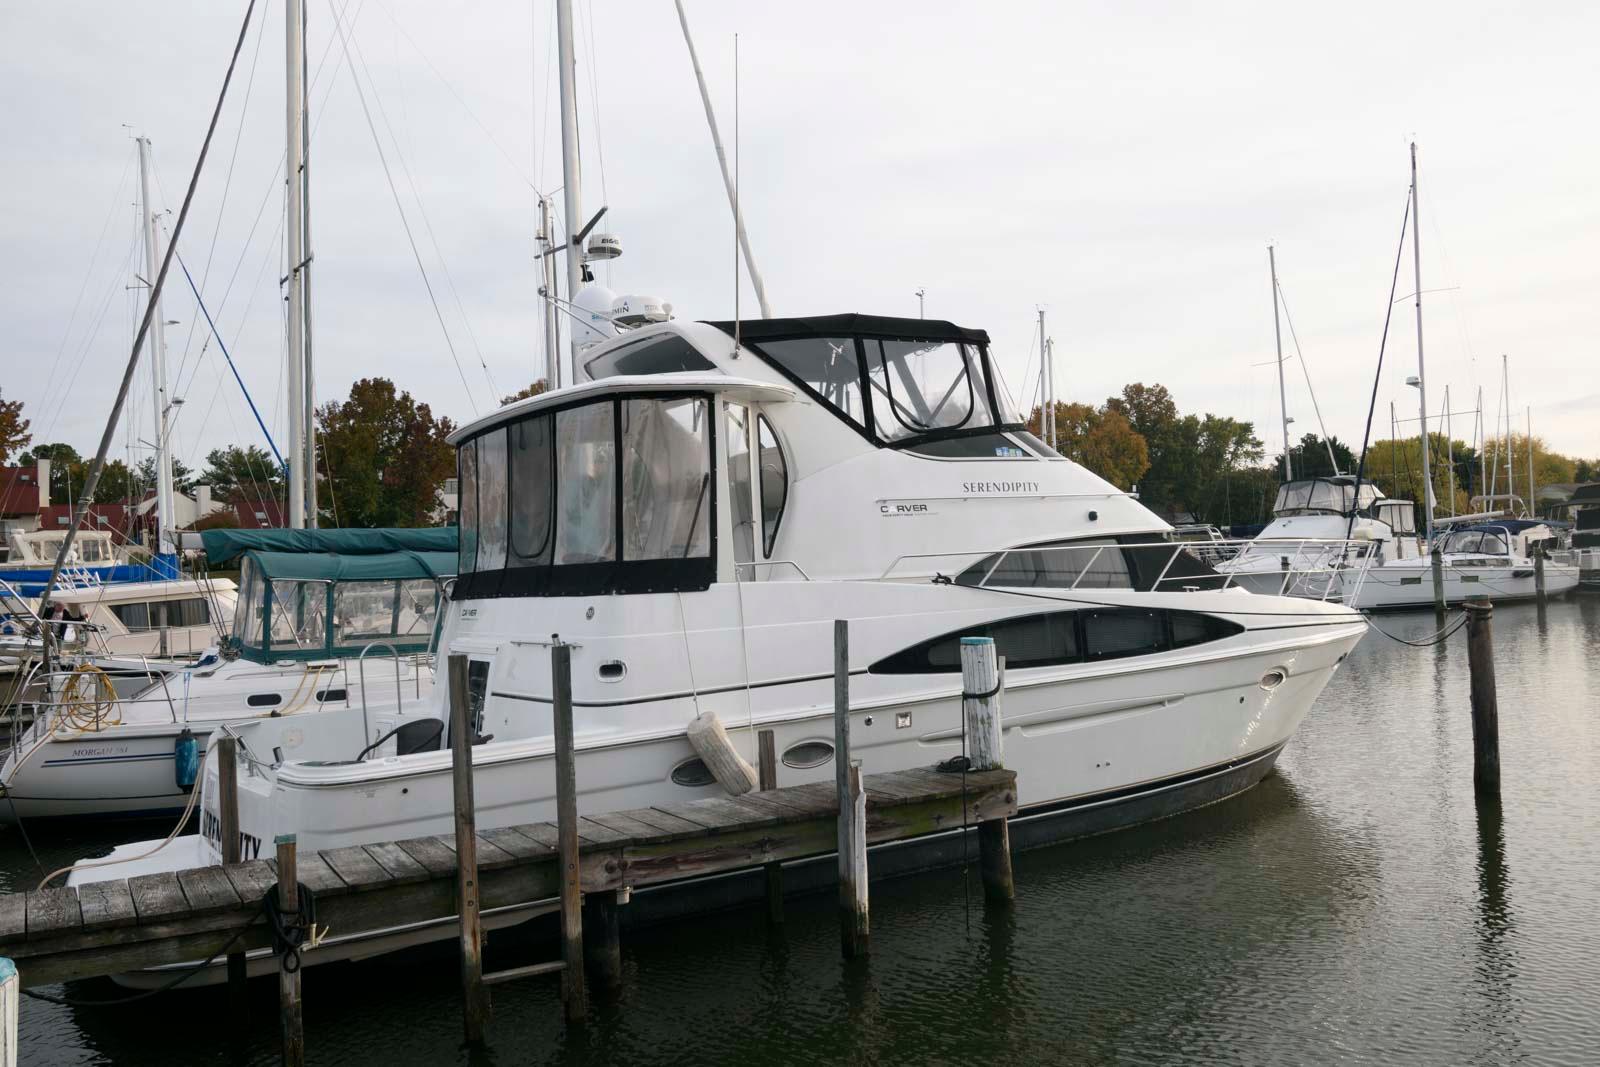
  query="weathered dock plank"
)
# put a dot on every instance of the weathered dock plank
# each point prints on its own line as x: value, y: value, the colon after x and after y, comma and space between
x: 150, y: 920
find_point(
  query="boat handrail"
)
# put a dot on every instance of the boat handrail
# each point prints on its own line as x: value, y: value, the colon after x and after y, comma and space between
x: 361, y: 672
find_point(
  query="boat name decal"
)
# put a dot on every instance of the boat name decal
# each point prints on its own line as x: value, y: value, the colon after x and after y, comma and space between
x: 211, y: 828
x: 999, y: 487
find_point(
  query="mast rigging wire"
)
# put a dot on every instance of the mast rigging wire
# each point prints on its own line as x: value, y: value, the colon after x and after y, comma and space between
x: 405, y: 224
x: 1377, y: 376
x: 156, y: 285
x: 1284, y: 300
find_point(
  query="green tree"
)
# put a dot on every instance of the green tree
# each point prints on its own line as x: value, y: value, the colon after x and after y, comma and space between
x: 1309, y: 458
x: 1586, y: 470
x: 117, y: 485
x: 387, y: 457
x: 67, y: 469
x: 13, y: 428
x: 1101, y: 440
x: 182, y: 477
x: 242, y: 474
x: 1153, y: 414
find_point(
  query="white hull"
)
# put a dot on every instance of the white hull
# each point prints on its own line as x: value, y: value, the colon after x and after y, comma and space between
x: 1408, y: 584
x: 126, y: 769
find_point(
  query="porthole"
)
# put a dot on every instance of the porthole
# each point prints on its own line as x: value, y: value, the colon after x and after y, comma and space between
x: 807, y: 754
x: 1273, y: 678
x: 612, y: 670
x: 263, y: 700
x: 693, y: 772
x: 330, y: 696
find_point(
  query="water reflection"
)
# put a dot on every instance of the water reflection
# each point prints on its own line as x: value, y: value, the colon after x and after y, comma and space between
x: 1354, y: 906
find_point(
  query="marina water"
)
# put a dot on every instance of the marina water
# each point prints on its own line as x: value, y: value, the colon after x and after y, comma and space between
x: 1357, y: 906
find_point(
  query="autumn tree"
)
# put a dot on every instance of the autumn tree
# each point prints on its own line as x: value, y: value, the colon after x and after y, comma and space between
x: 1101, y: 440
x: 13, y: 428
x: 540, y: 386
x: 248, y: 474
x: 386, y: 457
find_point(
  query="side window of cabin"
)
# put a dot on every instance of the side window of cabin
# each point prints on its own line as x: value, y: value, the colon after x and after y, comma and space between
x: 665, y: 355
x: 1063, y: 637
x: 774, y: 483
x: 666, y: 479
x: 133, y: 616
x: 1118, y: 632
x: 194, y: 611
x: 737, y: 436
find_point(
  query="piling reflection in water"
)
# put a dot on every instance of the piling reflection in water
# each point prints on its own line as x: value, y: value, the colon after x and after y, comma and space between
x: 1357, y: 905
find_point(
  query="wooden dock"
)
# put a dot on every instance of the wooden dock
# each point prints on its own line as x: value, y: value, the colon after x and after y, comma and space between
x: 57, y: 935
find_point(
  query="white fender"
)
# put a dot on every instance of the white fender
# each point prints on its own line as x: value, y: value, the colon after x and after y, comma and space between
x: 711, y: 743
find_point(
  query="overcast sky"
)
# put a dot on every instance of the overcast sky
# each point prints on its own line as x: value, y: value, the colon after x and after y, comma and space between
x: 1124, y: 166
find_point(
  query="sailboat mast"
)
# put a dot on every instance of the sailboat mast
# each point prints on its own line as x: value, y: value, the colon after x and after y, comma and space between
x: 570, y: 177
x: 157, y: 349
x: 552, y: 334
x: 1450, y: 449
x: 1511, y: 446
x: 1277, y: 336
x: 310, y: 378
x: 1422, y: 377
x: 1532, y: 489
x: 1483, y: 449
x: 294, y: 236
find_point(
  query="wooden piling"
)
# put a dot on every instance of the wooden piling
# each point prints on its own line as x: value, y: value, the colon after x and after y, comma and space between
x: 10, y: 993
x: 228, y: 811
x: 767, y: 749
x: 1538, y: 577
x: 1485, y: 703
x: 289, y: 1012
x: 854, y: 927
x: 574, y: 992
x: 475, y: 1004
x: 602, y: 941
x: 982, y: 683
x: 1437, y: 563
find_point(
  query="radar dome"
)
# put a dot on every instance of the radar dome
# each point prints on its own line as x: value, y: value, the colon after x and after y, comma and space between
x: 592, y: 309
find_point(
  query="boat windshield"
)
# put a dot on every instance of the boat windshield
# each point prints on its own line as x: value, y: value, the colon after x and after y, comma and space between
x: 1323, y: 496
x: 1477, y: 543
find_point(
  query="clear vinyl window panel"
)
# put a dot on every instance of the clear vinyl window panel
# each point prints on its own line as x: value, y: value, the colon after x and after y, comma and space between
x: 532, y: 474
x: 493, y: 501
x: 467, y: 504
x: 586, y: 491
x: 299, y: 613
x: 922, y: 387
x: 829, y: 368
x: 666, y: 479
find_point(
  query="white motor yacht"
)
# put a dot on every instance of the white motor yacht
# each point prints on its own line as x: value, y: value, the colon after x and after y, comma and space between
x: 313, y: 632
x: 1491, y: 559
x: 692, y: 517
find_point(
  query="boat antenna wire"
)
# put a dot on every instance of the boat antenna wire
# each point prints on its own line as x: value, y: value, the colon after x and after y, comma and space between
x: 156, y: 284
x: 225, y: 355
x: 1377, y: 376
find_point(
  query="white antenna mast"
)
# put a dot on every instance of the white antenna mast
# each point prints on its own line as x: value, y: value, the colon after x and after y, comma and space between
x: 1422, y: 377
x: 738, y: 220
x: 722, y: 162
x: 570, y: 177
